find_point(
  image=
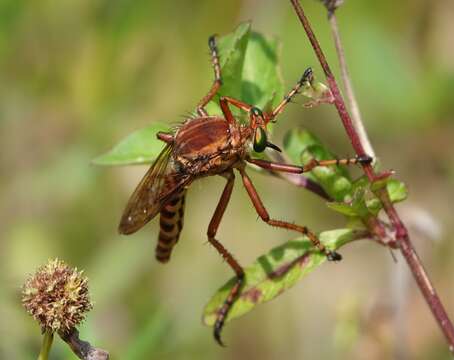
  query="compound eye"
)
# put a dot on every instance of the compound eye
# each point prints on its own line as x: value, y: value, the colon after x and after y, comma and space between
x: 256, y: 111
x: 260, y: 140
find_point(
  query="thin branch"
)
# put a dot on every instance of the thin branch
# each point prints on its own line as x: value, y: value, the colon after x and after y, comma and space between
x: 349, y: 92
x: 82, y: 348
x: 401, y: 233
x: 46, y: 345
x: 338, y: 101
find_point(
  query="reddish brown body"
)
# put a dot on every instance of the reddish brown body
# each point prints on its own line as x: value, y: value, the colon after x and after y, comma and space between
x: 213, y: 145
x: 209, y: 146
x: 171, y: 223
x: 202, y: 146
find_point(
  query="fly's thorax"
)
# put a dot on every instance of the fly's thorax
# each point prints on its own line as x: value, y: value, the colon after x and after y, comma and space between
x: 208, y: 145
x: 202, y: 137
x: 247, y: 139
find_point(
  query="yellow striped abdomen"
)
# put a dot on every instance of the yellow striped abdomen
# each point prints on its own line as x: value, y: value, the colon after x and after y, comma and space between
x: 170, y: 222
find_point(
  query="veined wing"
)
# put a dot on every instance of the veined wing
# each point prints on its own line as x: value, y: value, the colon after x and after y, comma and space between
x: 159, y: 184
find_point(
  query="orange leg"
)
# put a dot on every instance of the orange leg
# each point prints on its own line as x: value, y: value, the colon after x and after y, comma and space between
x: 237, y: 103
x: 307, y: 76
x: 217, y: 77
x: 294, y: 169
x: 224, y: 103
x: 263, y: 213
x: 212, y: 230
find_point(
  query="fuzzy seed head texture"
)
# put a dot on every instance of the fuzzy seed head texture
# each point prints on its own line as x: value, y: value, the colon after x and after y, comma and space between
x: 57, y: 296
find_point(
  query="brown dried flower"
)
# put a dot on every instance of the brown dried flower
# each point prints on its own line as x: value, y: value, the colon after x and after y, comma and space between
x: 57, y: 296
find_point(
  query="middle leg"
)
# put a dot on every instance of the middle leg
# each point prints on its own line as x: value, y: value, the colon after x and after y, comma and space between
x: 263, y: 213
x: 295, y: 169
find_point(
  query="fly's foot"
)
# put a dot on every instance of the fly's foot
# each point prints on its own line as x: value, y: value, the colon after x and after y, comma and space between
x: 308, y: 76
x: 217, y: 331
x: 333, y: 256
x: 212, y: 42
x: 364, y: 159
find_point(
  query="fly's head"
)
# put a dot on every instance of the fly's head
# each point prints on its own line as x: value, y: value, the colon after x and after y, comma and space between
x: 258, y: 125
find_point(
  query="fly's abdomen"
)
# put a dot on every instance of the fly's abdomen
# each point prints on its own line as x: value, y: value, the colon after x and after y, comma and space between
x: 171, y: 223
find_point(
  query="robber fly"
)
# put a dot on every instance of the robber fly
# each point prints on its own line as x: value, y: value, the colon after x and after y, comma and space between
x: 205, y: 145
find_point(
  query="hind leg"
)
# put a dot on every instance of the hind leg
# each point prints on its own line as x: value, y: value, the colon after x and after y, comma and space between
x: 263, y: 213
x: 212, y: 230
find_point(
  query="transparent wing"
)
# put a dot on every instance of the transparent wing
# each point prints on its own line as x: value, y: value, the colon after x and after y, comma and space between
x: 159, y: 184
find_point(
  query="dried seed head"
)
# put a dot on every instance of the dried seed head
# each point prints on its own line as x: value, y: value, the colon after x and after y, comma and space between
x: 332, y: 5
x: 57, y: 296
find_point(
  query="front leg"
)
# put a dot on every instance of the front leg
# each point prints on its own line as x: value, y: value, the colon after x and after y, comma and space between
x: 217, y: 77
x: 224, y: 103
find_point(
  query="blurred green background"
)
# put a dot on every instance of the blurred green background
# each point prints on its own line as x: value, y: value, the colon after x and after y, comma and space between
x: 78, y: 76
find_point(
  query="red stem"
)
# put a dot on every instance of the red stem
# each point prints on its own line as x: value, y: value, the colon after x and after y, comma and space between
x: 402, y: 238
x: 338, y: 101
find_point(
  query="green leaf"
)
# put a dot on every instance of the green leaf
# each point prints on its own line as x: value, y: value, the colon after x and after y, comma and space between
x: 302, y: 146
x: 250, y: 70
x: 357, y: 206
x: 342, y: 208
x: 353, y: 199
x: 261, y: 83
x: 140, y: 147
x: 397, y: 190
x: 249, y: 73
x: 362, y: 200
x: 232, y: 52
x: 272, y: 274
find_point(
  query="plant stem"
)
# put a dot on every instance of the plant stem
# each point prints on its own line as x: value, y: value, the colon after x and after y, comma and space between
x: 401, y: 233
x: 46, y: 345
x: 349, y: 92
x: 83, y: 349
x: 418, y: 271
x: 338, y: 102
